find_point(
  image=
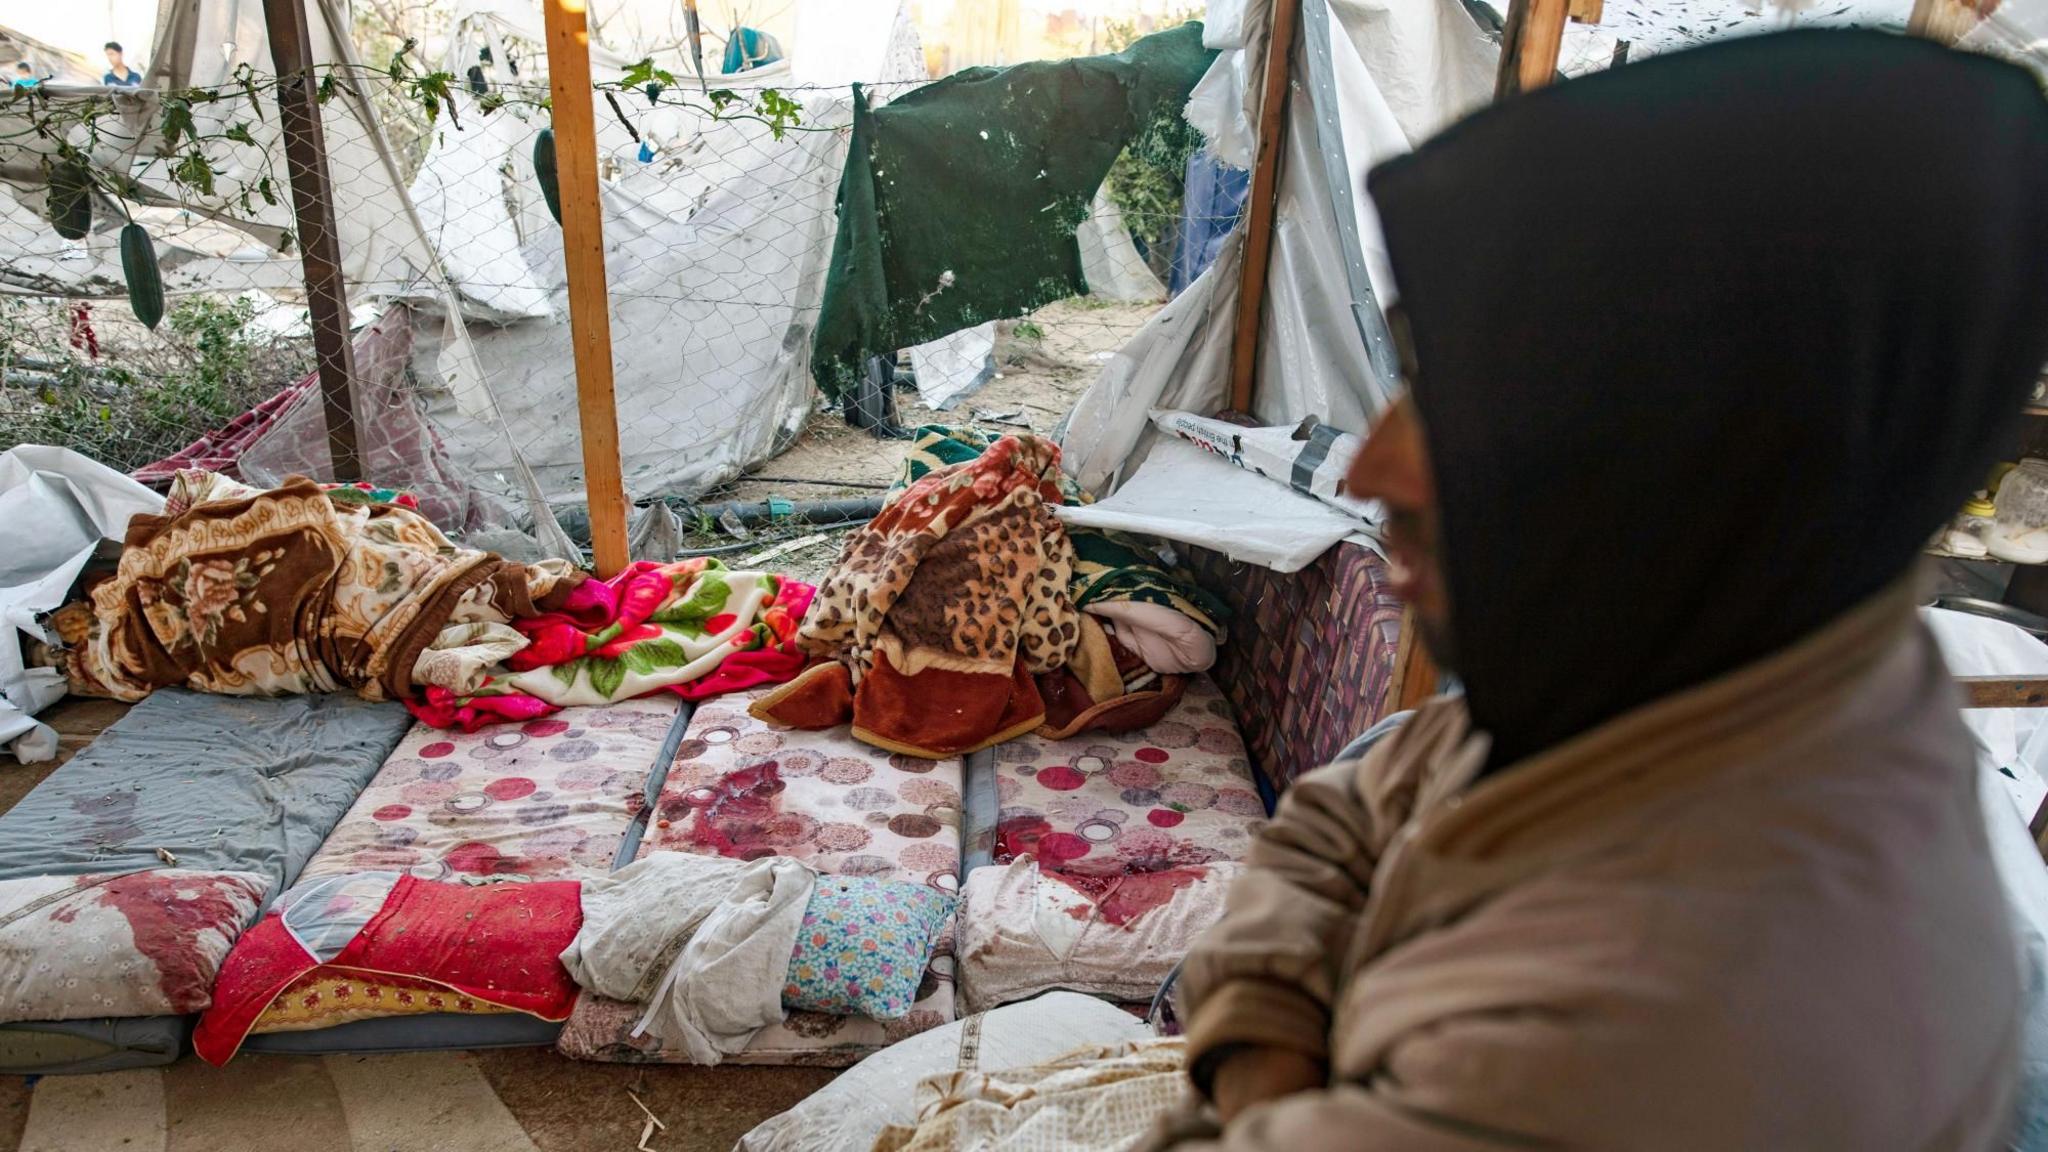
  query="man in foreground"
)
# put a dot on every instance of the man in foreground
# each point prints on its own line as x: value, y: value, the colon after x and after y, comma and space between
x: 1701, y: 352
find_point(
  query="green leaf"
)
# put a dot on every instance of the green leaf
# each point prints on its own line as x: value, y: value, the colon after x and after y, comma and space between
x: 606, y: 676
x: 651, y: 656
x: 195, y: 172
x: 239, y: 133
x: 267, y: 190
x: 327, y: 88
x: 567, y: 671
x: 705, y: 602
x: 177, y: 122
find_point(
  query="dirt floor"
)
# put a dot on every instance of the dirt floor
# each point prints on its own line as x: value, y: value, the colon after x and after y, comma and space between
x: 531, y: 1100
x: 1045, y: 363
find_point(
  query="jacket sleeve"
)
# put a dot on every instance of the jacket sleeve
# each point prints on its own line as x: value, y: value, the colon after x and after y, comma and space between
x: 1266, y: 974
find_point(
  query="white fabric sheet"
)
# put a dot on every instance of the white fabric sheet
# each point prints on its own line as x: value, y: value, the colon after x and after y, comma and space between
x: 1183, y: 493
x: 56, y: 509
x: 703, y: 941
x: 2011, y: 742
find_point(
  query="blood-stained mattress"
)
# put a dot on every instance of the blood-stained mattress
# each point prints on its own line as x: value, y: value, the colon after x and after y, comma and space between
x: 1177, y: 793
x: 132, y: 868
x: 741, y: 788
x: 1112, y: 854
x: 549, y: 799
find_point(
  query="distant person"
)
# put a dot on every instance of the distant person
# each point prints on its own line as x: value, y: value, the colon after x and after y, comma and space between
x: 25, y: 76
x: 119, y: 74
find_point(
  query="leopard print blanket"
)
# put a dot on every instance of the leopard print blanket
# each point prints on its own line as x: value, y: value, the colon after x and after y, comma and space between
x: 966, y: 570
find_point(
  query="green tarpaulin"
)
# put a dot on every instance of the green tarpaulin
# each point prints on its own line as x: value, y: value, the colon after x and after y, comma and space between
x: 960, y: 200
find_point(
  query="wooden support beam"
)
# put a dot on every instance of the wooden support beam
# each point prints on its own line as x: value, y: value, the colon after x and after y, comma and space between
x: 1259, y: 208
x: 305, y: 153
x: 590, y: 318
x: 1529, y: 45
x: 1587, y: 11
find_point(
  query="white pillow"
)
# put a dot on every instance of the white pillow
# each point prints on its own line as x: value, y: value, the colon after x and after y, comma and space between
x: 140, y: 944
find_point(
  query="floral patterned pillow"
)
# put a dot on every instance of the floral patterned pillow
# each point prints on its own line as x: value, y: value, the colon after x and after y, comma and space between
x: 864, y: 946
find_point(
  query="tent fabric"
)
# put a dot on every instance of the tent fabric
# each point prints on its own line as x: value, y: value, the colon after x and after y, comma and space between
x: 716, y: 238
x: 1401, y: 70
x: 60, y: 510
x: 938, y: 232
x: 216, y: 243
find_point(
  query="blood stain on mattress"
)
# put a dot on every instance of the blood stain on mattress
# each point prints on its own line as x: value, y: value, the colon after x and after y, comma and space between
x: 1122, y: 899
x: 734, y: 817
x: 167, y: 915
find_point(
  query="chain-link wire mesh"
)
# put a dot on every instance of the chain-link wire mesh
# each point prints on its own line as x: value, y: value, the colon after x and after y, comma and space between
x: 718, y: 213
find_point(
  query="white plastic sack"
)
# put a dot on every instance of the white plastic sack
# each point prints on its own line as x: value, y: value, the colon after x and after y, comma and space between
x: 847, y: 1114
x: 56, y: 508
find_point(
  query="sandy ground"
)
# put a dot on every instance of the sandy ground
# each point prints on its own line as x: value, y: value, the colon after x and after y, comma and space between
x: 1045, y: 364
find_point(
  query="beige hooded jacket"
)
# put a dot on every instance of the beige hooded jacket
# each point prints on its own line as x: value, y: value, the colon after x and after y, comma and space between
x: 1759, y: 914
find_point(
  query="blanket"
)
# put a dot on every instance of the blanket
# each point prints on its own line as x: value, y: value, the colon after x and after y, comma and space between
x: 247, y: 592
x: 1104, y: 1098
x: 702, y: 941
x: 941, y: 610
x: 496, y: 944
x: 693, y: 627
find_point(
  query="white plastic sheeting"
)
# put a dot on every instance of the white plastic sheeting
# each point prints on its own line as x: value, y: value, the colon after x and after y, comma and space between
x: 1187, y: 494
x: 1109, y: 259
x: 1400, y: 70
x: 216, y: 243
x: 716, y: 250
x: 56, y: 510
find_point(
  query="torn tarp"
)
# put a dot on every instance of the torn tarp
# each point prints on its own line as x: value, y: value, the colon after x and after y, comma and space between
x: 959, y: 200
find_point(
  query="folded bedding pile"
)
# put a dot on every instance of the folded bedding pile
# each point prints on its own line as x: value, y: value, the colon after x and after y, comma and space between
x: 1111, y: 855
x: 741, y: 790
x: 128, y: 873
x: 461, y: 842
x: 964, y: 615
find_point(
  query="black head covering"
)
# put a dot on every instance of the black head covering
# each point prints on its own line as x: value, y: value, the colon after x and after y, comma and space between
x: 1706, y: 348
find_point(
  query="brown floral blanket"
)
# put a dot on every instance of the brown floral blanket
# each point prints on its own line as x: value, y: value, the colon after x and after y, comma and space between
x: 250, y: 592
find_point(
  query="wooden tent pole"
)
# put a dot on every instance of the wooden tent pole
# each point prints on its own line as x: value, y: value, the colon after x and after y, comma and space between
x: 590, y: 320
x: 1530, y: 44
x: 1259, y: 209
x: 305, y: 153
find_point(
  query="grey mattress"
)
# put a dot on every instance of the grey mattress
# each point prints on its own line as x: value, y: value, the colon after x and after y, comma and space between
x: 224, y: 783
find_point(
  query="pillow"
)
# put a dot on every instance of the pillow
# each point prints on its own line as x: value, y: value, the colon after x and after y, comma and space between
x: 863, y: 947
x: 142, y: 944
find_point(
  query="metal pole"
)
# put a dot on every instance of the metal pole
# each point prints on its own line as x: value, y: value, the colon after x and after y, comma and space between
x: 305, y: 152
x: 590, y: 319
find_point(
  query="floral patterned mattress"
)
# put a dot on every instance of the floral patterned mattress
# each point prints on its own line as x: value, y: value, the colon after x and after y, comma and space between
x: 549, y: 799
x: 1175, y: 794
x: 740, y: 787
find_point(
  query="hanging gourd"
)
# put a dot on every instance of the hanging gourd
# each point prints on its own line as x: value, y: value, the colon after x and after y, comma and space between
x: 544, y: 167
x: 145, y: 283
x: 70, y: 199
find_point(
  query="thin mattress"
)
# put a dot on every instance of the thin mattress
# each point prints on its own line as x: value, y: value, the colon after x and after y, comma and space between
x: 186, y: 785
x: 551, y: 799
x: 740, y: 787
